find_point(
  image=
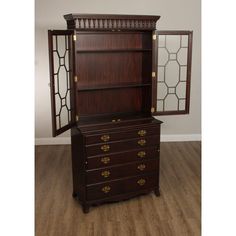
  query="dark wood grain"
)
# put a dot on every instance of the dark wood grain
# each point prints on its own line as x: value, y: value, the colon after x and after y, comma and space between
x: 128, y: 134
x: 121, y: 186
x: 113, y: 41
x: 123, y: 144
x: 123, y: 157
x: 128, y: 122
x: 123, y: 170
x: 109, y: 68
x: 109, y: 101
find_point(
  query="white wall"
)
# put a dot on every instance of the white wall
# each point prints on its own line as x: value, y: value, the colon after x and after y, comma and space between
x: 175, y: 15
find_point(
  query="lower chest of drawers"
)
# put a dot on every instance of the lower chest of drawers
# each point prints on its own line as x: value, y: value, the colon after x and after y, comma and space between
x: 115, y: 164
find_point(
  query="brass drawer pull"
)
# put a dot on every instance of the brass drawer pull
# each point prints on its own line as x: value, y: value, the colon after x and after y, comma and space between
x: 106, y: 189
x: 105, y: 160
x: 105, y: 173
x: 141, y: 154
x: 141, y: 182
x: 105, y: 148
x: 118, y: 120
x: 105, y: 137
x: 142, y: 132
x: 141, y: 167
x: 142, y: 142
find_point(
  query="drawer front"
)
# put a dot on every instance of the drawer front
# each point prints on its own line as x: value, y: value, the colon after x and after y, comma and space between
x: 122, y: 157
x: 112, y: 188
x: 115, y: 136
x: 110, y: 147
x: 121, y: 171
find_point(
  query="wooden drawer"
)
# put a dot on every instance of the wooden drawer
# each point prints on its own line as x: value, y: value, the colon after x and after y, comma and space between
x: 121, y: 171
x: 118, y: 146
x: 122, y: 157
x: 117, y: 187
x: 125, y: 134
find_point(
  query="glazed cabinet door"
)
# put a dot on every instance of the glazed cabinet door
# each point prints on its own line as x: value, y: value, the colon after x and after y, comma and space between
x: 173, y: 72
x: 61, y: 63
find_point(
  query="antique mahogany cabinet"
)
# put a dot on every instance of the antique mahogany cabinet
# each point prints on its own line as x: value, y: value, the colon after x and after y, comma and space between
x: 104, y: 87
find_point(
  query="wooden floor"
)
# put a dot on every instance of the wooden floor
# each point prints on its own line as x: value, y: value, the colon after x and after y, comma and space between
x: 176, y: 212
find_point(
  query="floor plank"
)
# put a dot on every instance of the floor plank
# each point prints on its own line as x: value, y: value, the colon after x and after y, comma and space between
x: 175, y: 213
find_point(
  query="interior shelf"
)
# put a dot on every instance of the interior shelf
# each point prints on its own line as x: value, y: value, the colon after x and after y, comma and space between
x: 112, y: 50
x: 113, y: 86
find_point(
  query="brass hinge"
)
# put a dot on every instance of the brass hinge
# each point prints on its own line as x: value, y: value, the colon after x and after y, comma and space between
x: 153, y: 74
x: 77, y: 118
x: 74, y: 37
x: 75, y: 78
x: 154, y: 37
x: 152, y: 110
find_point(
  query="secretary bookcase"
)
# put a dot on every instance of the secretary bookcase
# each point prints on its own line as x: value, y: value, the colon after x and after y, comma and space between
x: 104, y: 87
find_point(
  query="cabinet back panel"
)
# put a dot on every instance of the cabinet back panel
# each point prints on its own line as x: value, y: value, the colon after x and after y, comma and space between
x: 112, y: 101
x: 114, y: 40
x: 112, y: 68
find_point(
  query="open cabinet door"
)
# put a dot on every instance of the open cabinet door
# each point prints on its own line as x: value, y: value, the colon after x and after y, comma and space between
x: 174, y: 55
x: 61, y: 58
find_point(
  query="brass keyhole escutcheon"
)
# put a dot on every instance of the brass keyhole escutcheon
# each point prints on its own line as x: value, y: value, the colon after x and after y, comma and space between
x: 141, y: 154
x: 105, y: 160
x: 141, y: 182
x: 105, y: 148
x: 105, y: 137
x: 142, y: 142
x: 105, y: 173
x: 141, y: 167
x: 142, y: 132
x: 106, y: 189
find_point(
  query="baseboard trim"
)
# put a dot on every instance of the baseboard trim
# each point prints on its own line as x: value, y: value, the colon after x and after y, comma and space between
x: 180, y: 137
x: 52, y: 141
x: 164, y: 138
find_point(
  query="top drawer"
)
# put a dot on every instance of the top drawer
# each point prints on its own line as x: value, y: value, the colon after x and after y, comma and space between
x: 125, y: 134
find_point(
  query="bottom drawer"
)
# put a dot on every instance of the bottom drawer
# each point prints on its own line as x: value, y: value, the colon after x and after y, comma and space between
x: 111, y: 188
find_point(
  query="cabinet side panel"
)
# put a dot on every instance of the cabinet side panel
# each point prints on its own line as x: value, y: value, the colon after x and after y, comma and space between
x: 78, y: 172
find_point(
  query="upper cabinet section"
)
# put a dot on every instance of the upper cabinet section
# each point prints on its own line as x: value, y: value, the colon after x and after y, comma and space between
x: 111, y: 22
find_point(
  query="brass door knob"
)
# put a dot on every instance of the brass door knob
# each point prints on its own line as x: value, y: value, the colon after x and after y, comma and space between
x: 106, y: 189
x: 105, y: 173
x: 141, y: 182
x: 142, y: 142
x: 142, y: 132
x: 105, y: 137
x: 141, y: 154
x: 105, y: 148
x: 141, y: 167
x: 105, y: 160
